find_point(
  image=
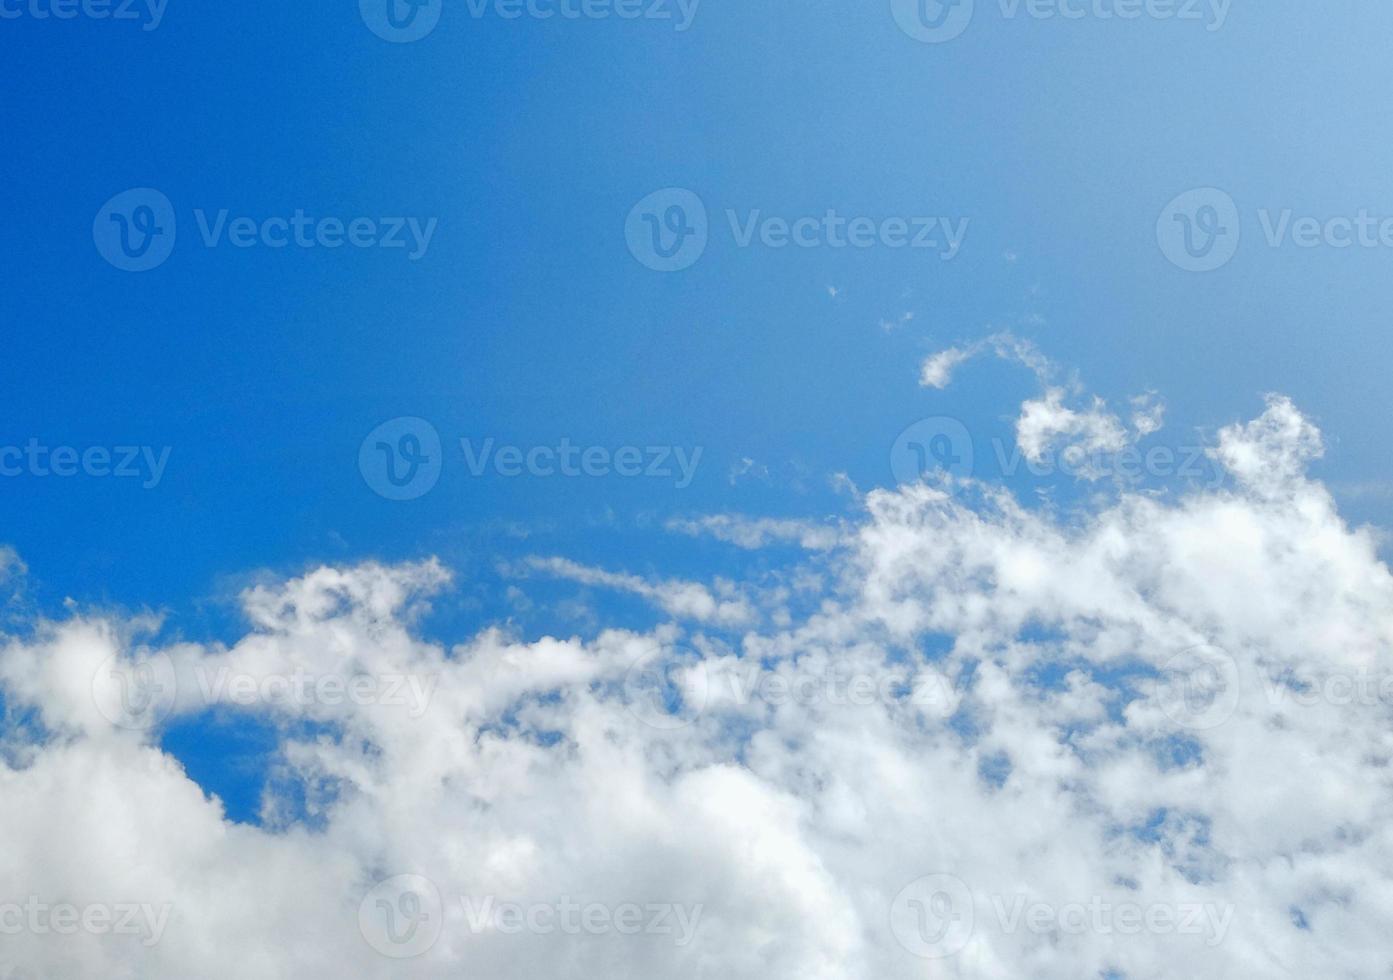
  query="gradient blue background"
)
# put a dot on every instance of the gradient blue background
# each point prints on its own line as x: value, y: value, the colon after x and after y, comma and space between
x: 528, y: 320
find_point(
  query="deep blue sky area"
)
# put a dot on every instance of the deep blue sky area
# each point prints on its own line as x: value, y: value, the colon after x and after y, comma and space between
x: 527, y: 319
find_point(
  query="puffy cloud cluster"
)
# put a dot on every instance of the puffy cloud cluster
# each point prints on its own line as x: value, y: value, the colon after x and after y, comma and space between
x: 968, y: 739
x: 1047, y: 424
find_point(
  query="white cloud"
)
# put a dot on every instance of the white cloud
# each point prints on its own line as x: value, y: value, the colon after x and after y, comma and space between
x: 1079, y: 773
x: 1048, y: 424
x: 753, y: 533
x: 721, y: 604
x: 937, y: 371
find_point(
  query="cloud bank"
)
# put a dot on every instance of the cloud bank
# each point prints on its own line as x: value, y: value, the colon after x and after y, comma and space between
x: 963, y: 738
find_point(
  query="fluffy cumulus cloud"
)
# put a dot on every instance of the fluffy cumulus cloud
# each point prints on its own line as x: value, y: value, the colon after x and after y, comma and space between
x: 964, y: 738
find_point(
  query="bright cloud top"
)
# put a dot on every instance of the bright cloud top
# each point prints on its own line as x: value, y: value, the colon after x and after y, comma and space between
x: 958, y: 738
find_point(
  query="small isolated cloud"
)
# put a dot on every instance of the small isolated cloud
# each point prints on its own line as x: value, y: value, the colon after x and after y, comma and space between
x: 753, y: 533
x: 937, y: 371
x: 1048, y: 423
x: 719, y: 606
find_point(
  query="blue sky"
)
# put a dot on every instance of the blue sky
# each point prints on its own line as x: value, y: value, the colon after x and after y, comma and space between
x: 527, y: 320
x: 623, y: 320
